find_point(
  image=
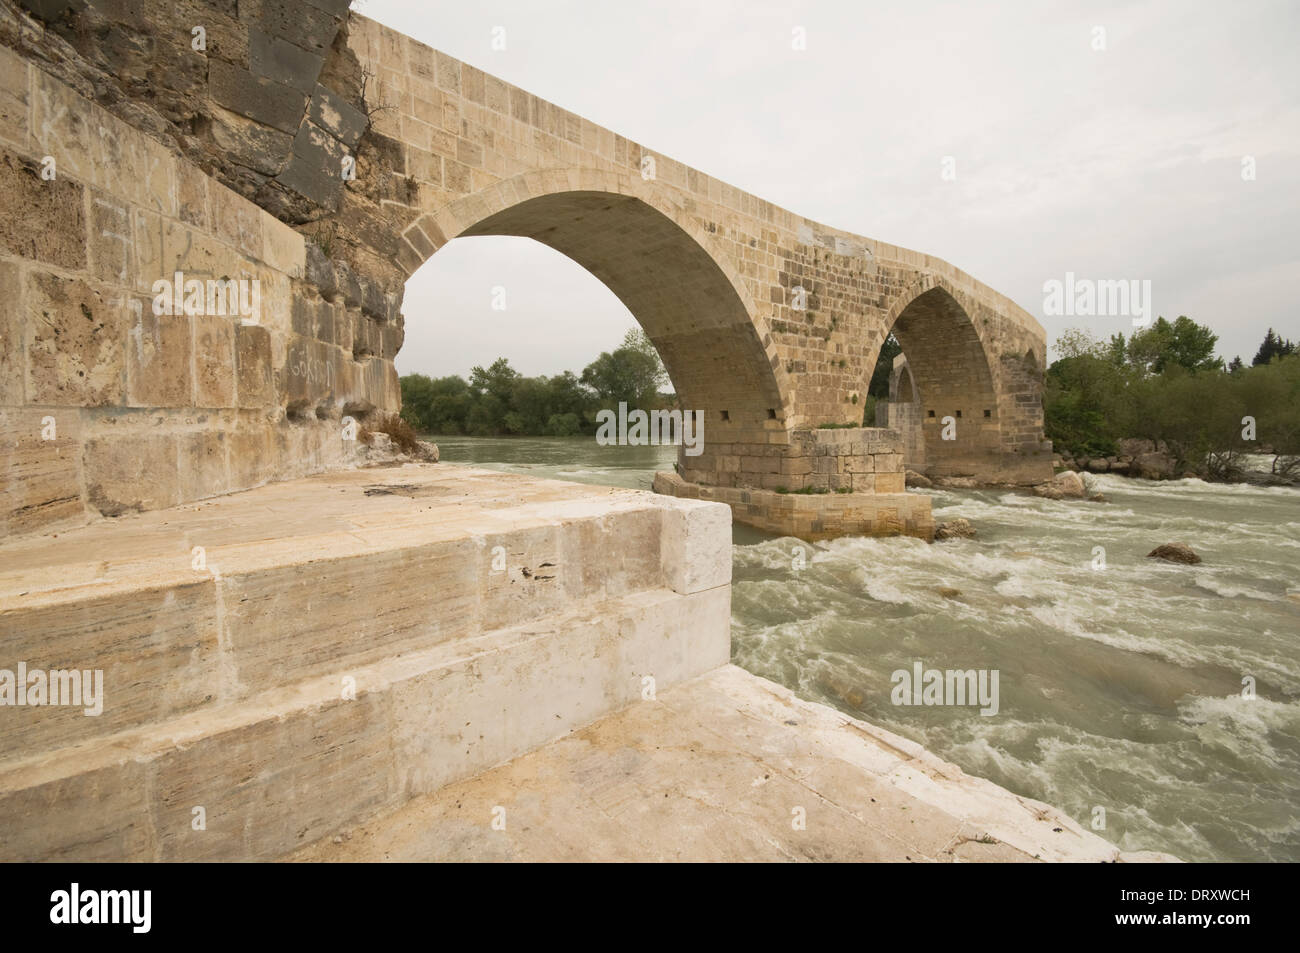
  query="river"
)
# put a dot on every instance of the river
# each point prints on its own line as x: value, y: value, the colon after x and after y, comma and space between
x: 1120, y: 687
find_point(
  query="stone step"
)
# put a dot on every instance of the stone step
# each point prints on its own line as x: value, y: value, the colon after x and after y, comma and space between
x: 200, y: 606
x: 277, y: 770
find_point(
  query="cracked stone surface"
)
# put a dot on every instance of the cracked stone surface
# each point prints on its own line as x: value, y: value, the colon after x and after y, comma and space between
x: 716, y: 769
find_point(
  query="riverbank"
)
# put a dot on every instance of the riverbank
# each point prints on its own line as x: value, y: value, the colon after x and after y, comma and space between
x: 1147, y: 460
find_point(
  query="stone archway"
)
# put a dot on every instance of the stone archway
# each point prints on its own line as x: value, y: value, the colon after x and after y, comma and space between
x: 659, y: 263
x: 948, y: 368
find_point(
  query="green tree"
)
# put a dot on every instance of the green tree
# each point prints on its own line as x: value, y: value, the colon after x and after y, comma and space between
x: 625, y: 375
x: 439, y: 406
x: 636, y: 339
x: 1183, y: 343
x: 491, y: 391
x: 879, y: 386
x: 1272, y: 347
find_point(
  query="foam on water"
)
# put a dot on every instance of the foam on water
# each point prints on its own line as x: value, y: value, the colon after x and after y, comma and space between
x: 1120, y: 687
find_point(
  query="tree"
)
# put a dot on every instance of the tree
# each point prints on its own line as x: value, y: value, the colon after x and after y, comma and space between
x: 626, y: 375
x: 1077, y: 342
x: 437, y: 406
x: 1085, y: 408
x: 1183, y: 343
x: 1272, y: 347
x: 637, y: 340
x: 879, y: 386
x: 492, y: 390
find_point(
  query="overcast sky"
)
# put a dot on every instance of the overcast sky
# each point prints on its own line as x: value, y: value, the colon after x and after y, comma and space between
x: 1124, y: 163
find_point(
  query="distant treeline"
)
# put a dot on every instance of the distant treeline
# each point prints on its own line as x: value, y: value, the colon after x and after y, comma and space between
x: 498, y: 400
x: 1165, y: 384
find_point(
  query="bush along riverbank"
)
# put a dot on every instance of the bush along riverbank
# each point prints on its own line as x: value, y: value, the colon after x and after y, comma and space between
x: 1161, y: 406
x: 1152, y: 460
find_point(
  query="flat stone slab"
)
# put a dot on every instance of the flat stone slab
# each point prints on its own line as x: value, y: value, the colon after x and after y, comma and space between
x: 724, y: 767
x: 339, y: 513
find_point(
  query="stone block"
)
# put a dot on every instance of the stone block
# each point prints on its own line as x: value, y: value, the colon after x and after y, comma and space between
x: 75, y: 335
x: 315, y: 169
x: 306, y: 26
x: 104, y: 814
x: 273, y: 784
x: 890, y: 483
x: 13, y: 366
x: 309, y: 618
x: 252, y: 453
x: 254, y: 97
x: 141, y: 638
x: 251, y: 144
x: 15, y: 98
x: 254, y: 374
x: 214, y: 364
x: 696, y: 546
x: 192, y: 195
x: 349, y: 286
x: 237, y: 221
x: 319, y: 270
x: 112, y: 241
x: 41, y: 220
x: 282, y: 62
x: 200, y: 256
x: 158, y: 357
x: 148, y: 237
x: 40, y: 452
x: 283, y: 248
x: 203, y: 467
x: 131, y: 472
x: 337, y: 116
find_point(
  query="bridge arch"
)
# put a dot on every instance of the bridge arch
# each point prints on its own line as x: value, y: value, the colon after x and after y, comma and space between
x: 951, y: 375
x: 659, y: 261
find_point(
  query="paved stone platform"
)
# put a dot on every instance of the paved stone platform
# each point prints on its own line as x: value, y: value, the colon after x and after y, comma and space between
x: 717, y: 769
x: 295, y: 658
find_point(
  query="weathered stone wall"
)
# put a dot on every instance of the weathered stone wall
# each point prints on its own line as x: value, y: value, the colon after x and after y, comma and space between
x: 107, y: 406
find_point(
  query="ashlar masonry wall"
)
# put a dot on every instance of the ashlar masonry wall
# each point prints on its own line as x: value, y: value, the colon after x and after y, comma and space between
x: 107, y: 406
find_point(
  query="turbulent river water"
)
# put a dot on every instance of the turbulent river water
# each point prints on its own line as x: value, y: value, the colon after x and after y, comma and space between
x: 1121, y: 687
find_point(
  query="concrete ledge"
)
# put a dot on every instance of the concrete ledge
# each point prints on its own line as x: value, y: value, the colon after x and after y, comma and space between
x: 813, y: 516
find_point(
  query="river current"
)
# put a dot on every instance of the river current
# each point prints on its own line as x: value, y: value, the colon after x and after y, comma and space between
x: 1120, y: 677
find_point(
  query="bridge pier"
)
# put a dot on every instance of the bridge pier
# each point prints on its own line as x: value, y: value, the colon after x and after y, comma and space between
x: 818, y: 484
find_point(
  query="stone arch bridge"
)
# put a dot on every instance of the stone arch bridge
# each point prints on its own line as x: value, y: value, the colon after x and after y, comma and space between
x: 328, y: 157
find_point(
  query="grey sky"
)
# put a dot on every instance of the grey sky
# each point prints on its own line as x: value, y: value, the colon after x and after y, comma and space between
x: 1124, y: 163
